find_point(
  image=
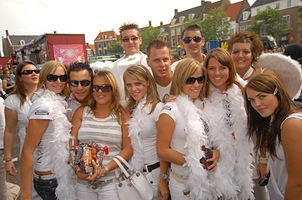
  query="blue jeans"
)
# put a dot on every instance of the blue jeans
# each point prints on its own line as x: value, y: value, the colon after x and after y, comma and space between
x: 46, y: 188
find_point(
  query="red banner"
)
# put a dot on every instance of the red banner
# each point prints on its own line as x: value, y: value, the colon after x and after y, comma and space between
x: 69, y: 53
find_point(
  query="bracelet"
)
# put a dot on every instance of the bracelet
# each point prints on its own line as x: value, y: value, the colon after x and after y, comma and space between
x: 263, y: 160
x: 163, y: 176
x: 106, y: 169
x: 8, y: 160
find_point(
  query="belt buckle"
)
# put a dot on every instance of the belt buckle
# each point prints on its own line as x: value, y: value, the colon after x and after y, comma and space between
x: 94, y: 184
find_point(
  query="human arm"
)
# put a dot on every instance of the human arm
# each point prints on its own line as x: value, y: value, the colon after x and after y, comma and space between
x: 4, y: 85
x: 292, y: 147
x: 11, y: 120
x: 34, y: 133
x: 165, y: 130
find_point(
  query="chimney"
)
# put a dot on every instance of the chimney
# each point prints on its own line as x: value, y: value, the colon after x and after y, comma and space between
x: 161, y: 23
x: 202, y: 2
x: 175, y: 11
x: 55, y: 32
x: 150, y: 23
x: 6, y: 32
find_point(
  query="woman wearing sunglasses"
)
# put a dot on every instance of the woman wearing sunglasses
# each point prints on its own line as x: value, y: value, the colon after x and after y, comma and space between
x: 145, y: 106
x: 225, y: 113
x: 275, y: 120
x: 48, y: 134
x: 182, y: 133
x: 104, y: 122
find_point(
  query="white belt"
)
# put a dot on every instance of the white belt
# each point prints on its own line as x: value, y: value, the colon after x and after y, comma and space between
x: 179, y: 178
x: 43, y: 177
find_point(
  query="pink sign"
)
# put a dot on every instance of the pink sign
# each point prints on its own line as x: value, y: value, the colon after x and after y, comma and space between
x: 69, y: 53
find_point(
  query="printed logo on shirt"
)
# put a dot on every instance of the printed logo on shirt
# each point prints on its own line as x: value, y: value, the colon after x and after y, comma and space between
x: 42, y: 112
x: 167, y: 108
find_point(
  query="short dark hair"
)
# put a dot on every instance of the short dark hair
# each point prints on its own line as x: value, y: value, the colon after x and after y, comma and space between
x: 80, y: 66
x: 193, y: 27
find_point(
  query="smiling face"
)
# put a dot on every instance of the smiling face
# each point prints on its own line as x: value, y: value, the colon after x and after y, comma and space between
x: 101, y: 98
x: 242, y: 56
x: 80, y: 92
x: 58, y: 85
x: 218, y: 74
x: 264, y: 103
x: 131, y: 41
x: 193, y: 90
x: 136, y: 88
x: 192, y: 48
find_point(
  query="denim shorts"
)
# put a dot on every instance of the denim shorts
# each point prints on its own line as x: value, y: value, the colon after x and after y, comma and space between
x: 46, y: 188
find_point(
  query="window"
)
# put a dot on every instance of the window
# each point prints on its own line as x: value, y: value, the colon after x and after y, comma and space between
x: 181, y: 19
x: 104, y: 37
x: 191, y: 16
x: 289, y: 3
x: 287, y: 20
x: 277, y: 6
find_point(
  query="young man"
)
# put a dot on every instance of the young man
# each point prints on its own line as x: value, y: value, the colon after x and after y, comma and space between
x: 159, y: 61
x: 130, y: 41
x: 192, y: 41
x: 80, y: 76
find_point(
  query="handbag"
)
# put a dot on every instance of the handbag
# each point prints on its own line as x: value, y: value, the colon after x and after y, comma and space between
x: 131, y: 184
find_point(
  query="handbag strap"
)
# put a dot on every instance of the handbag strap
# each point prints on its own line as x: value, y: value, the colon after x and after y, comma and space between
x: 121, y: 167
x: 125, y: 162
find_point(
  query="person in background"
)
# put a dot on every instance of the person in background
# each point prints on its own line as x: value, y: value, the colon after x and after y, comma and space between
x: 276, y: 122
x: 225, y: 115
x: 80, y: 77
x: 159, y: 61
x: 145, y: 106
x: 17, y: 106
x: 104, y: 122
x: 182, y: 133
x: 174, y: 57
x: 130, y: 41
x: 192, y: 41
x: 48, y: 134
x: 7, y: 84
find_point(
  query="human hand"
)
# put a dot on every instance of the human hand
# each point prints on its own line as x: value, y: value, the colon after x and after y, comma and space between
x: 10, y: 168
x: 262, y: 170
x: 91, y: 176
x: 163, y: 189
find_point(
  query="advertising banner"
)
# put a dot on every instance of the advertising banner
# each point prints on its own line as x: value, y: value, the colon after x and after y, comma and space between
x: 69, y: 53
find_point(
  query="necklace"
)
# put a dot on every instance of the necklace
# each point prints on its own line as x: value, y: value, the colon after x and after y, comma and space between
x: 248, y: 73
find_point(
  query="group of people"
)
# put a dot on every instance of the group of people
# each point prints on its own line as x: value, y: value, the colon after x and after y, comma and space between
x: 206, y: 127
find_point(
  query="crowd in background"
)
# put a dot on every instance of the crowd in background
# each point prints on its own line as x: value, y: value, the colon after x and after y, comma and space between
x: 220, y: 125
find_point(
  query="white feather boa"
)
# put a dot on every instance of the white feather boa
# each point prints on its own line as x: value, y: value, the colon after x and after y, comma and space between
x: 198, y: 182
x: 59, y: 151
x: 233, y: 176
x: 135, y: 124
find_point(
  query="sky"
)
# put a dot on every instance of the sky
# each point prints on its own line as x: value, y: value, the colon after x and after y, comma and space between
x: 89, y: 17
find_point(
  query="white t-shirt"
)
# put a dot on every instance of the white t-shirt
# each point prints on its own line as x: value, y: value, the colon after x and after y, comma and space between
x: 73, y: 104
x: 163, y: 90
x: 13, y: 102
x: 179, y: 137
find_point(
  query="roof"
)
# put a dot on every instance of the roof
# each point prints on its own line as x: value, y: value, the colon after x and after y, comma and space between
x: 262, y: 2
x: 15, y: 39
x: 196, y: 11
x: 107, y: 34
x: 234, y: 10
x: 35, y: 40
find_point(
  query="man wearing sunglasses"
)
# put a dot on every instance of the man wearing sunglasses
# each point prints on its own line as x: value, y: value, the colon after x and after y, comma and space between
x: 192, y: 41
x: 80, y: 76
x: 130, y: 41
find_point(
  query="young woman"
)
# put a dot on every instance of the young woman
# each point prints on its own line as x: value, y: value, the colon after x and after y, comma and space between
x: 7, y: 83
x: 226, y: 116
x: 104, y: 122
x: 276, y: 122
x: 182, y: 133
x: 145, y: 106
x: 48, y: 134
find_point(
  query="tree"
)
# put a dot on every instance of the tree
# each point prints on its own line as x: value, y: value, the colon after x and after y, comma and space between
x: 115, y: 48
x: 269, y: 22
x: 149, y: 34
x: 216, y: 25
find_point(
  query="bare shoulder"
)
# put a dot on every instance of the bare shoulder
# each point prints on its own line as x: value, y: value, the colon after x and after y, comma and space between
x: 292, y: 128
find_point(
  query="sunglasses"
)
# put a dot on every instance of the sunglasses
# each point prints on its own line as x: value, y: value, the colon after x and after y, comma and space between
x: 103, y: 88
x: 84, y: 83
x: 196, y: 39
x: 54, y: 78
x: 191, y: 80
x: 30, y: 71
x: 127, y: 39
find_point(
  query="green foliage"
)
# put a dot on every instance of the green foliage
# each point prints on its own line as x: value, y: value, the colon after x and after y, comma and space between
x: 216, y: 25
x: 269, y: 22
x: 115, y: 48
x: 149, y: 34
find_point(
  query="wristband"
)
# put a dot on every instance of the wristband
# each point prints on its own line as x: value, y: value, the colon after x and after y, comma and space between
x: 163, y: 176
x: 106, y: 169
x: 263, y: 160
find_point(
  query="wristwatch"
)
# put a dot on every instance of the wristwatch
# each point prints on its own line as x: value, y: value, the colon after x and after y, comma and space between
x: 263, y: 160
x: 163, y: 176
